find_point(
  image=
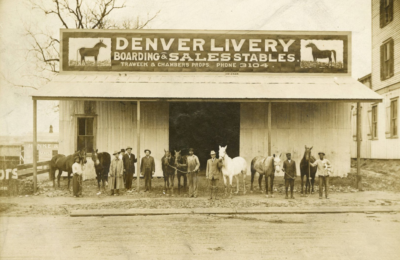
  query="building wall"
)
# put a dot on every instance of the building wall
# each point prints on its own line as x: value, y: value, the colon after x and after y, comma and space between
x: 325, y: 126
x: 382, y: 147
x: 116, y: 127
x: 379, y: 35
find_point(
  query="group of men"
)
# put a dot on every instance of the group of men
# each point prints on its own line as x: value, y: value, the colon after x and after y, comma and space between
x: 122, y: 170
x: 323, y: 171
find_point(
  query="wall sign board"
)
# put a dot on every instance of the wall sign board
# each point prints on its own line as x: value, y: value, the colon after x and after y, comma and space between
x: 205, y: 51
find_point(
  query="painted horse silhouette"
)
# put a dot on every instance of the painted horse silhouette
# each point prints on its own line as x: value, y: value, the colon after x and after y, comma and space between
x: 321, y: 54
x: 90, y: 52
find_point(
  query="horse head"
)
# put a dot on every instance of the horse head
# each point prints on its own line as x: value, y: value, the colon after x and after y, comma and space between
x: 177, y: 156
x: 100, y: 44
x: 307, y: 153
x: 311, y: 45
x: 222, y: 152
x: 82, y: 155
x: 167, y: 153
x: 95, y: 157
x: 277, y: 163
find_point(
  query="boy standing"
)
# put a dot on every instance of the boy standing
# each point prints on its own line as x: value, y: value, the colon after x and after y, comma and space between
x: 289, y: 168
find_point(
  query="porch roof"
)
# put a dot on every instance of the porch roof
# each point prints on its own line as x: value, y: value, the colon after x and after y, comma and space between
x: 231, y: 88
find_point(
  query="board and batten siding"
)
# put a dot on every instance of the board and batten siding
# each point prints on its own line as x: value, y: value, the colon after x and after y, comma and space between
x: 325, y: 126
x: 115, y: 127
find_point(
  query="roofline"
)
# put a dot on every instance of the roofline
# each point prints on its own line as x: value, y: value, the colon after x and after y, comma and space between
x: 286, y: 100
x: 365, y: 77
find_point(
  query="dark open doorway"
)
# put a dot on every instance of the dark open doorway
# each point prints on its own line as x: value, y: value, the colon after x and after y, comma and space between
x: 204, y: 126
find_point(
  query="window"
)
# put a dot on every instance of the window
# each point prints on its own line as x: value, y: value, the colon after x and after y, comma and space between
x: 393, y: 117
x: 85, y: 133
x: 387, y: 59
x: 374, y: 131
x: 386, y: 12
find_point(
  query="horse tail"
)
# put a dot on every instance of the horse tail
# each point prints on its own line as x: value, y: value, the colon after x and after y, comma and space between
x: 252, y: 168
x: 334, y: 54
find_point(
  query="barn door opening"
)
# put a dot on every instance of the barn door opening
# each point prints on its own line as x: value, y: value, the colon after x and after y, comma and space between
x: 203, y: 127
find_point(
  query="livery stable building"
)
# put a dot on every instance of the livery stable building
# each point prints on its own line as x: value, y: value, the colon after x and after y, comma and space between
x: 258, y: 92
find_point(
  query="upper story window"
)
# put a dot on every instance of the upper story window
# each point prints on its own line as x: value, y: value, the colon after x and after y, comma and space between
x: 386, y: 12
x: 387, y: 59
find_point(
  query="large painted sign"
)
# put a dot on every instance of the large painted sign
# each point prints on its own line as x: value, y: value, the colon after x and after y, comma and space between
x: 205, y: 51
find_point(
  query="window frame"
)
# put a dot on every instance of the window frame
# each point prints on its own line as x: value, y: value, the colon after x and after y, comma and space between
x: 385, y: 12
x: 387, y: 59
x: 374, y: 121
x: 79, y: 116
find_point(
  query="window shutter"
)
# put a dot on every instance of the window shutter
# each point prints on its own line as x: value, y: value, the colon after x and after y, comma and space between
x: 391, y: 61
x: 387, y: 122
x: 382, y: 13
x: 382, y: 61
x: 369, y: 115
x: 390, y: 11
x: 354, y: 123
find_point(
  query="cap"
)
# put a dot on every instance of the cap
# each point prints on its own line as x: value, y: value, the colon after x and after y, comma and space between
x: 321, y: 153
x: 212, y: 152
x: 127, y: 148
x: 191, y: 150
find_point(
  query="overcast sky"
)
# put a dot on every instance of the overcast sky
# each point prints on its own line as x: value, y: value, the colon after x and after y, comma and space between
x: 306, y: 15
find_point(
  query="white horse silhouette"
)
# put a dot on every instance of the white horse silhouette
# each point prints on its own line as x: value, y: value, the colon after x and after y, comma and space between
x: 232, y: 167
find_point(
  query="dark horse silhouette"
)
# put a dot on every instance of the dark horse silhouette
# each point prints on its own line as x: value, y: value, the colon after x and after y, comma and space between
x: 64, y: 163
x: 181, y: 165
x: 90, y: 52
x: 321, y: 54
x: 307, y: 170
x: 102, y: 163
x: 168, y: 172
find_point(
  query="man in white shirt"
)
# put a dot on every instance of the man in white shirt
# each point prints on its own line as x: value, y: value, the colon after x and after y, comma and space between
x: 192, y: 169
x: 323, y: 173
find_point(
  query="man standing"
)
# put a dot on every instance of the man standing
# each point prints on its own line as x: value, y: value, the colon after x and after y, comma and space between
x: 323, y: 170
x: 213, y: 173
x: 129, y: 168
x: 121, y: 157
x: 116, y: 173
x: 289, y: 168
x: 147, y: 168
x: 193, y: 167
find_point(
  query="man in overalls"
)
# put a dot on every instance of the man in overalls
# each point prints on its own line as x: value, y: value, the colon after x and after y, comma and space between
x: 147, y: 168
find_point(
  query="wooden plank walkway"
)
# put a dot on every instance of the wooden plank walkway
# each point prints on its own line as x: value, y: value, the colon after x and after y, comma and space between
x: 272, y: 210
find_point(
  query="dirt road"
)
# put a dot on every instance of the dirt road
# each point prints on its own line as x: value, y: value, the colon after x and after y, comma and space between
x: 340, y: 236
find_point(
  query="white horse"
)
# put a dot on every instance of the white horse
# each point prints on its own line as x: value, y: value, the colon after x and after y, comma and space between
x: 232, y: 167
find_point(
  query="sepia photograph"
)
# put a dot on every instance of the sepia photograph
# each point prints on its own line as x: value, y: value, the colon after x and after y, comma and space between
x: 174, y: 129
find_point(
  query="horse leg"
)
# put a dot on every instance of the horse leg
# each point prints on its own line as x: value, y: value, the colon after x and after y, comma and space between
x: 260, y: 177
x: 252, y: 179
x: 307, y: 184
x: 244, y: 183
x: 312, y: 184
x: 223, y: 177
x: 230, y: 186
x: 237, y: 184
x: 266, y: 185
x: 59, y: 177
x: 69, y: 174
x: 272, y: 185
x: 179, y: 183
x: 301, y: 184
x: 172, y: 184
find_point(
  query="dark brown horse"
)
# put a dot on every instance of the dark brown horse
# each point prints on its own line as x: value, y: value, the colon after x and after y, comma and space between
x: 102, y: 163
x: 307, y: 170
x: 321, y: 54
x: 64, y: 163
x: 181, y: 165
x: 167, y: 162
x: 265, y: 166
x: 91, y: 52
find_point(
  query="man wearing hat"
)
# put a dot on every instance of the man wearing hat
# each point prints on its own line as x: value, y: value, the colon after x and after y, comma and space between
x: 193, y: 167
x: 289, y: 168
x: 121, y: 157
x: 116, y: 174
x: 213, y: 173
x: 129, y: 160
x: 147, y: 168
x: 323, y: 170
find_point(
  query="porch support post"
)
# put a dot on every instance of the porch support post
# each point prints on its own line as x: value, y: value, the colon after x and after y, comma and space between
x: 138, y: 144
x: 358, y: 183
x: 34, y: 146
x: 269, y: 129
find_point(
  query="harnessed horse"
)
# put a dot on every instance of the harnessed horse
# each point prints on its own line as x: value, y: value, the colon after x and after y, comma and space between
x: 168, y: 172
x: 102, y: 163
x: 307, y: 170
x: 265, y: 166
x: 181, y: 169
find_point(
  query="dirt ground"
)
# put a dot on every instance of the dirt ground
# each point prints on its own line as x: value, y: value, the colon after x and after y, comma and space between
x: 311, y: 236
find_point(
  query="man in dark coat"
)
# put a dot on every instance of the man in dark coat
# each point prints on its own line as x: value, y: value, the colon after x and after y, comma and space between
x: 213, y: 173
x: 129, y: 168
x: 289, y: 168
x: 147, y: 168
